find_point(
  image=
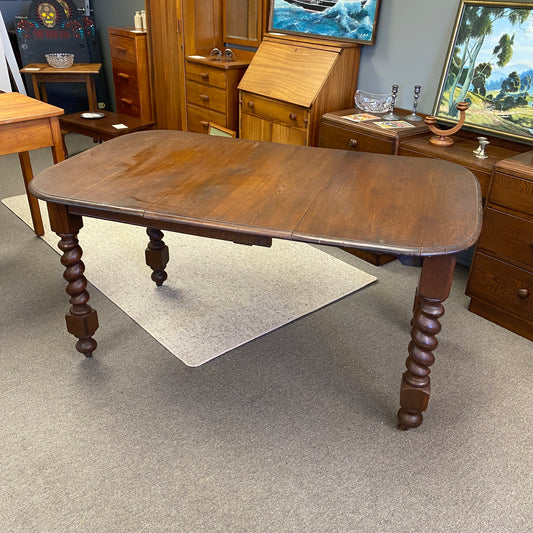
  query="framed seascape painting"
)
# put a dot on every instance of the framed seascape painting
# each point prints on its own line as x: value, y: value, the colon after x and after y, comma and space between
x: 341, y: 20
x: 490, y: 66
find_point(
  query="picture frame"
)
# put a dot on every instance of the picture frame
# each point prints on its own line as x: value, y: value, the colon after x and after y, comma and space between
x: 220, y: 131
x: 347, y: 20
x: 489, y: 65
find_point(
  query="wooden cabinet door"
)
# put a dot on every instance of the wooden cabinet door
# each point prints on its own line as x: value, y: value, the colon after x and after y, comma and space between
x: 165, y: 34
x: 255, y: 128
x: 282, y: 133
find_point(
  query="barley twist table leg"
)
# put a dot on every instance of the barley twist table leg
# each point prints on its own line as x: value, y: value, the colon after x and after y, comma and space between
x: 82, y: 320
x: 415, y: 388
x: 433, y: 288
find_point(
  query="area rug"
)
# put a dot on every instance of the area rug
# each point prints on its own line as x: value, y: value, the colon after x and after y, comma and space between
x: 218, y: 295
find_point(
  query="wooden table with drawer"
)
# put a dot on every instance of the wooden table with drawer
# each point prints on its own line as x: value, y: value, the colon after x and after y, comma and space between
x: 212, y: 94
x: 131, y: 76
x: 501, y: 277
x: 337, y: 131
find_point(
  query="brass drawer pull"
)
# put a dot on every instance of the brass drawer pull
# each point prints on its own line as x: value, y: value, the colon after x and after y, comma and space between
x: 122, y: 75
x: 352, y: 143
x: 121, y: 49
x: 523, y: 293
x: 126, y: 101
x: 292, y: 116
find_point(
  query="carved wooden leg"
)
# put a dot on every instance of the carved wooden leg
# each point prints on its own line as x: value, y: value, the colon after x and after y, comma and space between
x: 82, y: 320
x: 157, y: 255
x: 433, y: 289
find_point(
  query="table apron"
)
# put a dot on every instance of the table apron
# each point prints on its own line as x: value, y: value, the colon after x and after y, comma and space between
x: 176, y: 227
x: 25, y: 136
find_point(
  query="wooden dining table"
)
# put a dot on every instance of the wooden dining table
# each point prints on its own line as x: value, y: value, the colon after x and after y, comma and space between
x: 423, y: 211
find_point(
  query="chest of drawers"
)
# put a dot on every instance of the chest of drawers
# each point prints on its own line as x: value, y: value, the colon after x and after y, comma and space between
x: 337, y: 131
x: 501, y: 278
x: 212, y: 94
x: 131, y: 77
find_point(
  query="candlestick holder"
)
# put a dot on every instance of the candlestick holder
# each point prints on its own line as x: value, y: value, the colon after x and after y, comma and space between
x: 413, y: 117
x: 442, y: 137
x: 391, y: 115
x: 480, y: 151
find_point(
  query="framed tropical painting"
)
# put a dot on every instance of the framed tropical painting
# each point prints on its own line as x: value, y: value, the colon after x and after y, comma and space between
x: 489, y: 65
x: 341, y: 20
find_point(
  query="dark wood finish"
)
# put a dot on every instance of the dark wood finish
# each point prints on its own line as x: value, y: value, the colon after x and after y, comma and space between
x: 131, y: 75
x: 103, y: 128
x: 43, y: 73
x: 461, y: 152
x: 501, y: 277
x: 345, y: 134
x: 28, y: 124
x: 233, y: 188
x: 212, y: 92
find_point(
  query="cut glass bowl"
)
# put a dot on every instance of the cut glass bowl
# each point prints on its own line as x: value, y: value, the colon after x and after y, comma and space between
x: 60, y: 60
x: 371, y: 102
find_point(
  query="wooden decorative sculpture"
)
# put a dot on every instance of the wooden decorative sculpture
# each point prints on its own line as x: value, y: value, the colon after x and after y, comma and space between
x: 442, y: 137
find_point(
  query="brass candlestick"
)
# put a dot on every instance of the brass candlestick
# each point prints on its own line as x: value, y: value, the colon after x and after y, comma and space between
x: 442, y: 137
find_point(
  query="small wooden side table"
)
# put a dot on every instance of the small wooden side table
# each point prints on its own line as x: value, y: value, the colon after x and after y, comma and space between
x: 42, y: 73
x: 27, y: 124
x: 110, y: 126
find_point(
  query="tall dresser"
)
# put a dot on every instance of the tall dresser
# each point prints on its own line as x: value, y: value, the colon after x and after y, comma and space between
x: 212, y: 94
x: 501, y: 276
x: 131, y: 76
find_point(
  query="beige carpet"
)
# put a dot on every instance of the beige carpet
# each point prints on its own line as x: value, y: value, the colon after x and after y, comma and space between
x: 218, y: 295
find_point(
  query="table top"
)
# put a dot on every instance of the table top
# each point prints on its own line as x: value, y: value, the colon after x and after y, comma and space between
x: 16, y: 107
x: 105, y: 125
x: 403, y: 205
x: 76, y: 68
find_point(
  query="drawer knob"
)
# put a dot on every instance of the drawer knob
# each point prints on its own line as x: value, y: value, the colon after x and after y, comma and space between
x: 250, y: 104
x: 204, y: 75
x: 292, y: 116
x: 352, y: 143
x: 126, y: 101
x: 204, y: 123
x: 523, y: 293
x: 121, y: 49
x: 123, y: 75
x: 204, y: 97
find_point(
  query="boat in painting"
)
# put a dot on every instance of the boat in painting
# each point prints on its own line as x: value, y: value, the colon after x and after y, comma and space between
x: 314, y: 5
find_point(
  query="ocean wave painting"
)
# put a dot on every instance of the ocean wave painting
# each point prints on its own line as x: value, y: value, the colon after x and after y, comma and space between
x: 340, y: 19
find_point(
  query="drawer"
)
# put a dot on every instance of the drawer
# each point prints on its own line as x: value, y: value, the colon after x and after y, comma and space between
x: 501, y: 284
x: 198, y: 119
x: 511, y: 192
x: 206, y: 96
x: 128, y: 104
x: 204, y: 74
x: 124, y: 76
x: 508, y: 236
x: 275, y: 111
x: 122, y: 48
x: 335, y: 137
